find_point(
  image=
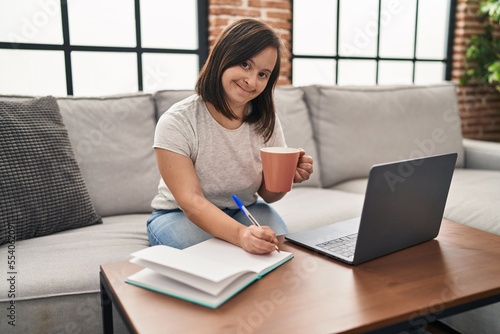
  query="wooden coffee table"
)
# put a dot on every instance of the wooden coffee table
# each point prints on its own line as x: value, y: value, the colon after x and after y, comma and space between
x: 458, y: 271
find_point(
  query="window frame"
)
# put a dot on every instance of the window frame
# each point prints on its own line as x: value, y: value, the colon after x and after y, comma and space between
x: 448, y: 61
x: 67, y: 47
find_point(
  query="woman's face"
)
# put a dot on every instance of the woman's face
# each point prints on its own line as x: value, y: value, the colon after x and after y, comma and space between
x: 246, y: 81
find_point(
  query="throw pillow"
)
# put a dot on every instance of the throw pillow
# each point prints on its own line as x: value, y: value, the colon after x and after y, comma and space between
x: 41, y: 187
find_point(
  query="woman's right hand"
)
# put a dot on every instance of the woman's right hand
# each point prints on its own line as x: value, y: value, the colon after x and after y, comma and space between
x: 258, y: 240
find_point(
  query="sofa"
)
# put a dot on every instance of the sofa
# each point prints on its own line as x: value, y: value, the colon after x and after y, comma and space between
x: 53, y: 283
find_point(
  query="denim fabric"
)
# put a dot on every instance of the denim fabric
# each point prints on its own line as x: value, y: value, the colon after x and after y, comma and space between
x: 172, y: 228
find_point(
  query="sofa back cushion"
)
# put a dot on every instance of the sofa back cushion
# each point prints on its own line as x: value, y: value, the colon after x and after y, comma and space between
x: 164, y: 99
x: 297, y: 127
x: 112, y: 140
x: 356, y: 127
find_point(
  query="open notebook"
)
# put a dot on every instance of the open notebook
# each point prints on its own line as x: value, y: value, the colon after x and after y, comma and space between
x: 209, y: 273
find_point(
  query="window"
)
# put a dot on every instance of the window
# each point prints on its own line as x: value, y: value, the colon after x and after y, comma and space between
x: 97, y: 47
x: 367, y: 42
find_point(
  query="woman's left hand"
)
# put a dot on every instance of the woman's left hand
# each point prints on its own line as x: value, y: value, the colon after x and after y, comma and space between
x: 304, y: 167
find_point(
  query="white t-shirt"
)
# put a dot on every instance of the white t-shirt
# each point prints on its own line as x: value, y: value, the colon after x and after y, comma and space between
x: 226, y: 161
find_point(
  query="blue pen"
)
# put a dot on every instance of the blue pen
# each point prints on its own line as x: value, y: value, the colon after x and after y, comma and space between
x: 248, y: 214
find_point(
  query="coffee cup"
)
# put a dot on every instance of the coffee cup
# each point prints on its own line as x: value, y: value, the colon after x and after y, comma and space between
x: 279, y: 165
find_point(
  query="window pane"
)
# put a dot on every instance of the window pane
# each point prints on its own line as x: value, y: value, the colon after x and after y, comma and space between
x: 169, y: 71
x: 358, y: 28
x: 357, y: 72
x: 432, y: 28
x: 104, y: 73
x: 397, y: 28
x: 313, y: 71
x: 28, y: 72
x: 429, y: 72
x: 102, y: 23
x: 169, y: 24
x: 395, y: 72
x: 311, y: 19
x: 30, y: 21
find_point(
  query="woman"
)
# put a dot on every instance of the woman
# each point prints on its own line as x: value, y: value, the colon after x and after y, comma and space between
x: 208, y: 147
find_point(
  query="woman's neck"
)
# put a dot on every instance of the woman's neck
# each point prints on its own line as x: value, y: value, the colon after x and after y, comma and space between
x: 225, y: 122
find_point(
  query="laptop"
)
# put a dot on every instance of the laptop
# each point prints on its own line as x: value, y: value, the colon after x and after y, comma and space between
x: 404, y: 205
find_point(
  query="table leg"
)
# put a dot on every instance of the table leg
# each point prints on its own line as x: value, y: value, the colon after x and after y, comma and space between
x: 106, y: 309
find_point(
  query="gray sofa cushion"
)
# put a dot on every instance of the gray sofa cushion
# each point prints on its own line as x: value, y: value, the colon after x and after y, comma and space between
x: 297, y: 127
x: 307, y: 207
x: 112, y: 138
x: 75, y: 256
x: 164, y: 99
x: 357, y: 127
x: 57, y: 290
x: 41, y: 188
x: 481, y: 154
x: 474, y: 199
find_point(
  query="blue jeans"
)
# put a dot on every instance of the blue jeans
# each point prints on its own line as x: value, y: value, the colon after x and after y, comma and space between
x: 172, y: 228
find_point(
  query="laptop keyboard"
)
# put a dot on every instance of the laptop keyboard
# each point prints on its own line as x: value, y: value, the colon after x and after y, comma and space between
x: 342, y: 246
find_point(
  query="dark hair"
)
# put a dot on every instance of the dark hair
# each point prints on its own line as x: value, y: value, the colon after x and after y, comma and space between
x: 239, y: 42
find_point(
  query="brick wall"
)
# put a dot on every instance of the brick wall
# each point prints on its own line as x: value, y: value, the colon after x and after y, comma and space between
x: 276, y: 13
x: 479, y: 105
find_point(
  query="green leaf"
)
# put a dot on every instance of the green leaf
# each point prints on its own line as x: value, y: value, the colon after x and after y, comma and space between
x: 491, y: 8
x: 494, y: 70
x: 482, y: 57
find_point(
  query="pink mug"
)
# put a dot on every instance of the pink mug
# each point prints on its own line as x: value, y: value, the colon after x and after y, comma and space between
x: 279, y: 165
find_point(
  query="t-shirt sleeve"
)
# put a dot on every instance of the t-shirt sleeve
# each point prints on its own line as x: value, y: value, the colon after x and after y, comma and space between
x: 174, y: 133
